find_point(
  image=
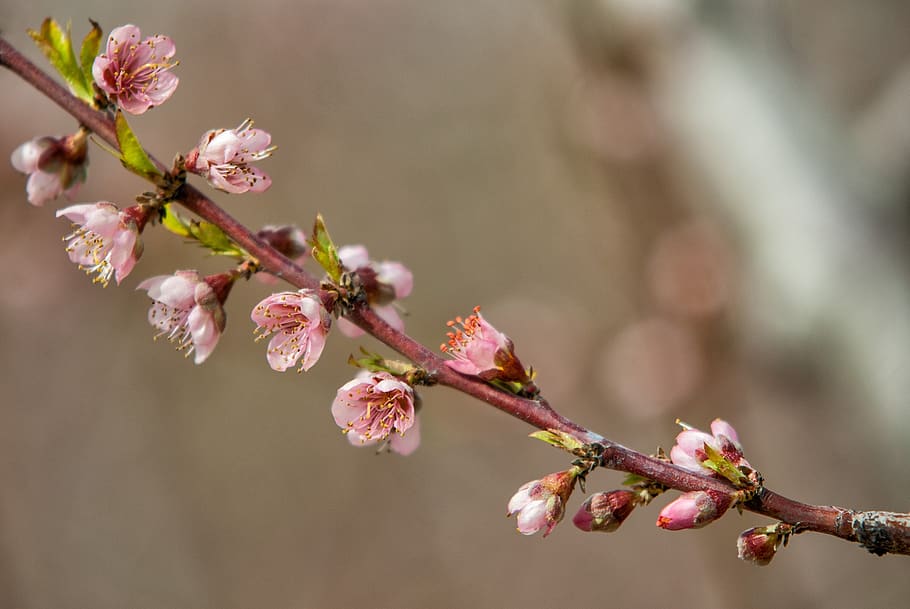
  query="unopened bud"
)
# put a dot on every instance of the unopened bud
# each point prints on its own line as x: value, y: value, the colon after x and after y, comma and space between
x: 759, y: 545
x: 694, y: 510
x: 604, y: 512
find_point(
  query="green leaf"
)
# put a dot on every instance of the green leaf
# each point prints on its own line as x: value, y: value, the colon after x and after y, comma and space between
x: 324, y: 250
x: 174, y: 223
x: 132, y: 155
x: 557, y: 438
x: 716, y: 462
x: 57, y: 46
x: 90, y: 46
x: 210, y: 236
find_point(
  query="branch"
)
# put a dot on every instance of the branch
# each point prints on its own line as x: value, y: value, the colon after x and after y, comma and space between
x: 879, y: 532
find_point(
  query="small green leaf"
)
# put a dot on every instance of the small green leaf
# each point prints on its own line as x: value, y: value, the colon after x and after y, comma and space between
x: 132, y: 155
x: 557, y: 438
x: 204, y: 233
x: 174, y: 223
x: 716, y: 462
x: 90, y: 46
x: 210, y: 236
x: 324, y: 250
x: 57, y: 46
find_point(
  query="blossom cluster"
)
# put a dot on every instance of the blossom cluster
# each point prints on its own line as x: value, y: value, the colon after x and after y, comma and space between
x: 379, y: 406
x: 540, y: 504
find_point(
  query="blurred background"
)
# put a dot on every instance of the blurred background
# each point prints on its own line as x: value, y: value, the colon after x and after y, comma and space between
x: 675, y: 209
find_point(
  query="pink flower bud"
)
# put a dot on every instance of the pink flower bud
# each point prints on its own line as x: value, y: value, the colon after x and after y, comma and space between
x: 188, y: 309
x: 136, y: 73
x: 54, y: 166
x: 604, y: 512
x: 375, y: 407
x: 694, y: 510
x: 105, y: 240
x: 541, y: 504
x: 224, y: 158
x: 300, y: 325
x: 384, y: 283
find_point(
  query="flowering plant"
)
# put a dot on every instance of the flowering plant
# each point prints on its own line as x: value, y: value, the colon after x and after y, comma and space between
x: 380, y: 406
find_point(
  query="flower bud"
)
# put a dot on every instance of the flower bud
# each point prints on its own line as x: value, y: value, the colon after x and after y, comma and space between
x: 605, y: 511
x: 694, y: 510
x: 541, y: 504
x: 758, y: 545
x: 54, y: 166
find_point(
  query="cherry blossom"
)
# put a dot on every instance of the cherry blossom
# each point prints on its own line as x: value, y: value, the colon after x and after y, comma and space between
x: 224, y: 156
x: 104, y: 240
x: 375, y: 407
x: 188, y: 310
x: 136, y: 73
x: 300, y: 324
x: 384, y: 282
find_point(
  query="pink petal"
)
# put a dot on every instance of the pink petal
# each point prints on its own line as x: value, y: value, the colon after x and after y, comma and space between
x: 406, y: 444
x: 532, y: 517
x: 25, y: 158
x: 720, y: 427
x: 43, y: 187
x: 398, y: 276
x: 204, y: 331
x: 353, y: 256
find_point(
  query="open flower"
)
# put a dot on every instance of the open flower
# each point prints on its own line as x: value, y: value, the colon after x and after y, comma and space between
x: 689, y: 451
x: 188, y: 309
x: 54, y: 166
x: 375, y: 407
x: 134, y: 72
x: 104, y: 240
x: 384, y: 282
x: 300, y: 325
x: 479, y: 349
x: 541, y: 504
x: 223, y: 158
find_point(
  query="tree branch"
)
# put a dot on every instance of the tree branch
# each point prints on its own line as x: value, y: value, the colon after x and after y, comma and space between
x: 879, y: 532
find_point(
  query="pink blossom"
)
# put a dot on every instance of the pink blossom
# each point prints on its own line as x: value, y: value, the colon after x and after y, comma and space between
x: 104, y: 240
x: 384, y: 282
x: 541, y: 504
x: 604, y: 512
x: 187, y: 310
x: 375, y: 407
x: 134, y: 73
x: 300, y: 324
x: 479, y: 349
x: 694, y: 510
x: 689, y: 450
x: 54, y: 166
x: 223, y: 158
